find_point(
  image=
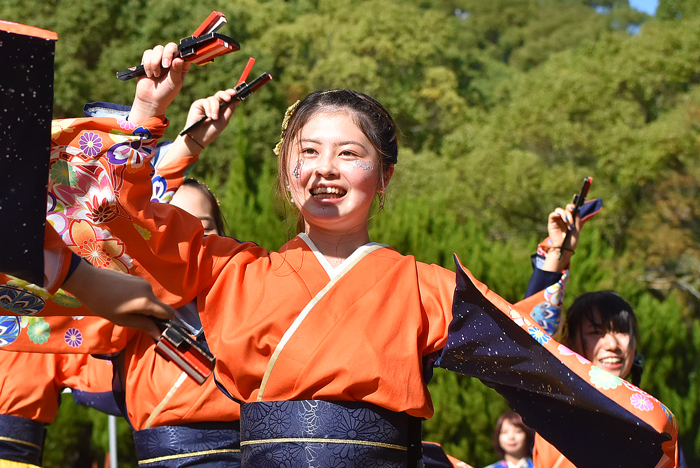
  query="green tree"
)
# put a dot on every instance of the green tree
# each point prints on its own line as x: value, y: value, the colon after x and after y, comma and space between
x: 677, y: 9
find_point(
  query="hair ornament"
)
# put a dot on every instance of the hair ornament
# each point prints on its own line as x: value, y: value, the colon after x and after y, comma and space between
x: 285, y: 122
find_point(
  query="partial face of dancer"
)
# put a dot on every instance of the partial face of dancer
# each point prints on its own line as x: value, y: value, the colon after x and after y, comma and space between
x: 610, y: 350
x: 334, y: 173
x: 513, y: 440
x: 196, y: 203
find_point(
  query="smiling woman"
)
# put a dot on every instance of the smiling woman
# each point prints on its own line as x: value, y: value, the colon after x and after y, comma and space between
x: 601, y: 327
x: 336, y: 154
x: 336, y: 181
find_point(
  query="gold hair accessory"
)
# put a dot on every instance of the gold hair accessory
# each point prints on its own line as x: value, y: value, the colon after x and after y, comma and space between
x: 287, y: 115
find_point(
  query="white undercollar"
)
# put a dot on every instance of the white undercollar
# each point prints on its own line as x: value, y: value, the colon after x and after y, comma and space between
x: 522, y: 463
x: 333, y: 271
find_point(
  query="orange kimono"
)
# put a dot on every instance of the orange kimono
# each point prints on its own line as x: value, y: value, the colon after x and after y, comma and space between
x: 30, y: 393
x: 332, y: 363
x: 546, y: 455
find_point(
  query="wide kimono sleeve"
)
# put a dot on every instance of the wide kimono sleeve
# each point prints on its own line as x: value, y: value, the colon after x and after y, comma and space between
x: 553, y: 388
x: 99, y: 202
x: 87, y: 159
x: 169, y: 172
x: 34, y: 398
x: 90, y: 381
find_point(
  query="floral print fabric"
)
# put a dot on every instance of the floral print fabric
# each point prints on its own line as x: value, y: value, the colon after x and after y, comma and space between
x: 87, y: 159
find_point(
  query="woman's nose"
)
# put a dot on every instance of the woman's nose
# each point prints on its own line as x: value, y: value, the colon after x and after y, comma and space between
x: 327, y: 165
x: 610, y: 341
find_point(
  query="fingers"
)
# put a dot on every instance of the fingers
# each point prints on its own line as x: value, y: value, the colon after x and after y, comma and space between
x: 143, y: 308
x: 211, y: 106
x: 159, y: 58
x: 566, y: 215
x: 146, y: 324
x: 179, y: 70
x: 151, y: 61
x: 228, y: 97
x: 561, y: 216
x: 169, y: 53
x: 217, y: 100
x: 577, y: 220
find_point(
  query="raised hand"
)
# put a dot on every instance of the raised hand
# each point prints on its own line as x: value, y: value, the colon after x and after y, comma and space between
x: 558, y: 222
x: 196, y: 140
x: 165, y: 73
x: 218, y: 118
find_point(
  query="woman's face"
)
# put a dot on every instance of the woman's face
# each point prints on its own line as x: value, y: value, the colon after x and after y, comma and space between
x: 513, y: 440
x: 611, y: 351
x: 197, y: 204
x: 334, y: 173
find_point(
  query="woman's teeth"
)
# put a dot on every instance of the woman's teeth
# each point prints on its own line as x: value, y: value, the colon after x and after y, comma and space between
x: 327, y: 192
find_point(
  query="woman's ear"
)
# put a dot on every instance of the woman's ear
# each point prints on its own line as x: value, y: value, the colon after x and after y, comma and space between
x: 387, y: 175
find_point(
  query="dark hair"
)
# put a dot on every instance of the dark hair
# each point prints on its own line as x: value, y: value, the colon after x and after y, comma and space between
x: 613, y: 314
x: 367, y: 113
x: 516, y: 420
x: 215, y: 208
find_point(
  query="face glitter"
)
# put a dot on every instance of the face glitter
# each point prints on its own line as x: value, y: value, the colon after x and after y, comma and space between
x: 364, y: 165
x: 297, y: 169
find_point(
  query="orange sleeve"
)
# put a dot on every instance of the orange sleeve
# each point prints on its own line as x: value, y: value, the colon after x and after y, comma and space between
x: 437, y: 285
x: 34, y: 398
x: 545, y: 455
x: 81, y: 197
x: 65, y: 334
x: 166, y: 245
x: 84, y: 372
x: 106, y: 213
x: 169, y: 177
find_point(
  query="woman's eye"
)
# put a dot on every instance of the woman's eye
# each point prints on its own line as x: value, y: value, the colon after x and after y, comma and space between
x: 308, y: 151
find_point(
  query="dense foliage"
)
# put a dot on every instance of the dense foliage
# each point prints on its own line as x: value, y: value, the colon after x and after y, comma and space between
x: 504, y: 106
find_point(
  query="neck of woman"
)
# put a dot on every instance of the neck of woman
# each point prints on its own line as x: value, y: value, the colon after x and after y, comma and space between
x: 513, y: 459
x: 336, y: 246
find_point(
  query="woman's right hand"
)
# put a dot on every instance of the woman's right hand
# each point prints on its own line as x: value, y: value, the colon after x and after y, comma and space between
x: 165, y: 72
x: 558, y: 223
x: 217, y: 119
x: 196, y: 140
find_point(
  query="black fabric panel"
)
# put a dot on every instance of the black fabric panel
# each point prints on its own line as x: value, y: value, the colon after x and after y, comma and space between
x: 26, y: 93
x: 585, y: 425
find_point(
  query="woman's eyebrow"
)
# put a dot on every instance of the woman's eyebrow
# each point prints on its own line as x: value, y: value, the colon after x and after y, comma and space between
x: 340, y: 143
x: 351, y: 142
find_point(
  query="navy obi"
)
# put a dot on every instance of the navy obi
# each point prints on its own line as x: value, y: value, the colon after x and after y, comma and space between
x: 314, y: 433
x: 209, y: 444
x: 21, y: 440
